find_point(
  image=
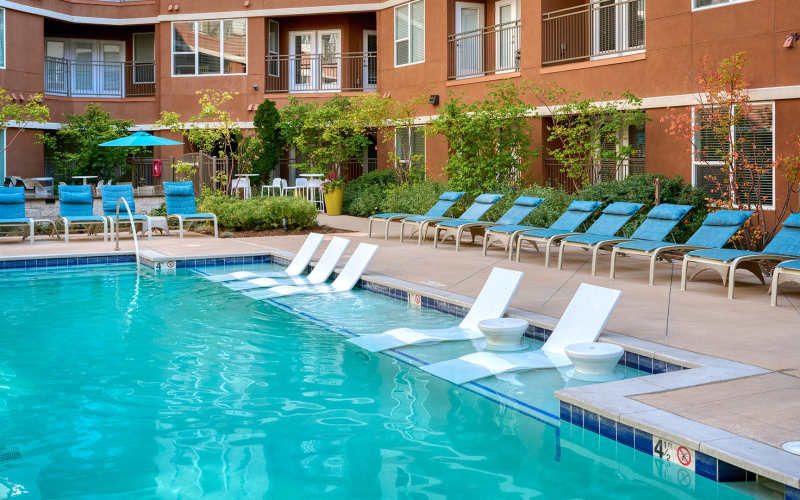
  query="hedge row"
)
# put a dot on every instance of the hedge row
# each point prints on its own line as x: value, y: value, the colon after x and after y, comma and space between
x: 259, y: 213
x: 377, y: 192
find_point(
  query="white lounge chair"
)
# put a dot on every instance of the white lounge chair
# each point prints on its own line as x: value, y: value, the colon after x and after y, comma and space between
x: 319, y: 275
x: 296, y: 267
x: 583, y: 321
x: 491, y: 303
x: 346, y: 280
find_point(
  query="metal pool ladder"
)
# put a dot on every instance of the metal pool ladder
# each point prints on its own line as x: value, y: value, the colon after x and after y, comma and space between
x: 120, y: 201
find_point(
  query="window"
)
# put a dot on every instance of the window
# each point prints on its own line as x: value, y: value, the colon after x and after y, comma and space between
x: 409, y: 33
x: 409, y: 146
x: 609, y: 169
x: 619, y: 27
x: 274, y: 49
x: 700, y: 4
x: 209, y: 47
x: 752, y: 136
x: 2, y: 38
x: 144, y: 53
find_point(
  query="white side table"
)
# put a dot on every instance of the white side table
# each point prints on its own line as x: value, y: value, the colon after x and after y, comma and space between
x: 503, y: 334
x: 159, y: 223
x: 594, y: 359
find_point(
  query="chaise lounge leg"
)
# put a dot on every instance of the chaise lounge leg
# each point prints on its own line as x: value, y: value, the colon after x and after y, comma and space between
x: 560, y: 256
x: 180, y: 227
x: 66, y: 231
x: 613, y: 264
x: 369, y: 233
x: 595, y: 254
x: 776, y: 276
x: 32, y: 234
x: 459, y: 231
x: 684, y: 268
x: 653, y: 260
x: 386, y: 223
x: 216, y: 228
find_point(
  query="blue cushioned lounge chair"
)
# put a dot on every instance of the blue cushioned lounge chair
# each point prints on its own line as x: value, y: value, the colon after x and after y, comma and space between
x: 12, y: 209
x: 784, y: 246
x: 111, y: 195
x: 611, y: 219
x: 576, y: 214
x: 446, y: 201
x: 521, y: 208
x: 76, y: 206
x: 605, y: 228
x: 718, y: 227
x: 179, y: 197
x: 657, y: 225
x: 480, y: 206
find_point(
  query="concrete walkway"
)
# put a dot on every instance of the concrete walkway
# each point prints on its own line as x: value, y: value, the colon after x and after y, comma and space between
x: 701, y: 319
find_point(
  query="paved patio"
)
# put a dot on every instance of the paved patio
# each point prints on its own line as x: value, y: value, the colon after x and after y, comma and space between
x: 701, y: 320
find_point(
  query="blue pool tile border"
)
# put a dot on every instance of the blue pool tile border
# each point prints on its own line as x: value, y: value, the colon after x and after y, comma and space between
x: 59, y: 262
x: 239, y: 260
x: 705, y: 465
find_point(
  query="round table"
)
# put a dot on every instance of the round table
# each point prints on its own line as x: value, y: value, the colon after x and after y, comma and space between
x: 503, y: 334
x: 312, y: 176
x: 84, y: 177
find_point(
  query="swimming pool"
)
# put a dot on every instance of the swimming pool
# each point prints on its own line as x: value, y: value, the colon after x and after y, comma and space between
x: 113, y: 386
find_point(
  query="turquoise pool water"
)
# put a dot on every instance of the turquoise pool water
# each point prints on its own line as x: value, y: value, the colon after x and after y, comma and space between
x: 175, y: 387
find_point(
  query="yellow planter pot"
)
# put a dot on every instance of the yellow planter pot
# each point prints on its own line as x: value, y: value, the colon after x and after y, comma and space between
x: 333, y: 201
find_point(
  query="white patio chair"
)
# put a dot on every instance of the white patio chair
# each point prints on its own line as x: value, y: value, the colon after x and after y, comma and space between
x: 242, y: 183
x: 278, y: 186
x: 300, y: 188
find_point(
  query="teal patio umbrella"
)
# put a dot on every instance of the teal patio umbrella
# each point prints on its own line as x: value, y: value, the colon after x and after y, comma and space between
x: 140, y: 139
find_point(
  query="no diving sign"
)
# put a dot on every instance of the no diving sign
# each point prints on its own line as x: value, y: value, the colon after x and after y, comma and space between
x: 673, y: 452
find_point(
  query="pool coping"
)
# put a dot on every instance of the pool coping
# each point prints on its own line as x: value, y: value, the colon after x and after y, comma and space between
x: 603, y: 408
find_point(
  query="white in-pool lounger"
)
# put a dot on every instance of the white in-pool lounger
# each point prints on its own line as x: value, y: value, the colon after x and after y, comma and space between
x: 319, y: 275
x: 491, y: 303
x: 296, y: 267
x: 583, y: 321
x: 347, y: 279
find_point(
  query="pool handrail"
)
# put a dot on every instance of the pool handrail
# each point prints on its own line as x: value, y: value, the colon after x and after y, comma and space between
x: 120, y: 201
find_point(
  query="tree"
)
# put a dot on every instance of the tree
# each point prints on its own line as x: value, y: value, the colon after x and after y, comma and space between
x: 212, y: 130
x: 489, y: 140
x: 731, y: 143
x: 325, y: 134
x: 585, y: 134
x: 75, y: 147
x: 20, y: 115
x: 270, y: 142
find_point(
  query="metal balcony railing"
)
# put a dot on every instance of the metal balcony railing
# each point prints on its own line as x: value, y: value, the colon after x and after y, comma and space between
x: 70, y: 78
x: 351, y: 71
x: 486, y: 51
x: 595, y: 30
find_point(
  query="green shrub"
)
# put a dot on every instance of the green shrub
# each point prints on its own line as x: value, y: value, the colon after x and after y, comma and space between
x: 160, y: 211
x: 259, y: 213
x: 641, y: 189
x: 364, y: 195
x: 412, y: 198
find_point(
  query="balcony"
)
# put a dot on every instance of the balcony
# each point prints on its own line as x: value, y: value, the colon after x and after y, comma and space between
x: 310, y: 73
x: 485, y: 51
x: 71, y: 78
x: 591, y: 31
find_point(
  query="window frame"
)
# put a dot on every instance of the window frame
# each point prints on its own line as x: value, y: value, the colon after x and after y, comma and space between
x: 410, y: 143
x: 276, y: 53
x: 715, y: 6
x: 133, y: 54
x: 395, y: 40
x: 732, y: 135
x: 196, y: 51
x: 5, y: 38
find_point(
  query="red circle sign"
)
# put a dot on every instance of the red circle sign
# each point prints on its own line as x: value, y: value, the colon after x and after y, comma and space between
x: 684, y: 456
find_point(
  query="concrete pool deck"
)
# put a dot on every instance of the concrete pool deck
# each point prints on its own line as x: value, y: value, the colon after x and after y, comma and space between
x: 762, y: 406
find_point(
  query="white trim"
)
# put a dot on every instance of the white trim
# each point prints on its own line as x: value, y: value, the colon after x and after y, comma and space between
x: 732, y: 137
x: 277, y: 52
x: 133, y: 54
x: 290, y: 11
x: 407, y: 3
x: 707, y: 7
x: 4, y: 170
x: 5, y: 40
x: 196, y: 51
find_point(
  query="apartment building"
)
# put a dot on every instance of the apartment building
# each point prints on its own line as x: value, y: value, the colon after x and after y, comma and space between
x: 139, y: 57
